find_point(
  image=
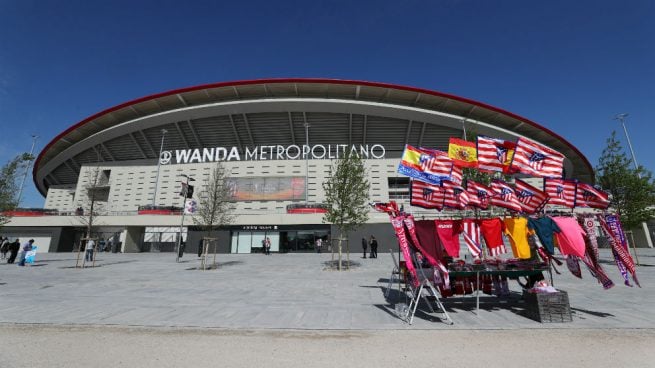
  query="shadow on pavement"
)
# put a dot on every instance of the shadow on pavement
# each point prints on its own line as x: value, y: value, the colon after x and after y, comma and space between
x: 593, y: 313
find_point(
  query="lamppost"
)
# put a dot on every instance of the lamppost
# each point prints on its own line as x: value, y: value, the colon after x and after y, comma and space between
x: 27, y: 168
x: 621, y: 118
x: 161, y: 148
x: 185, y: 194
x: 306, y: 125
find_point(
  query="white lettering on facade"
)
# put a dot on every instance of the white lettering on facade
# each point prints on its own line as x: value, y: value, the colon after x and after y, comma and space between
x: 297, y: 152
x: 207, y: 154
x: 251, y: 155
x: 314, y: 155
x: 234, y: 155
x: 195, y: 156
x: 278, y: 152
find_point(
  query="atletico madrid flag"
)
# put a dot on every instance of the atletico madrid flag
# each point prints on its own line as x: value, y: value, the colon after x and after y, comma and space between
x: 426, y: 195
x: 429, y: 166
x: 531, y: 198
x: 479, y: 194
x: 455, y: 195
x: 560, y: 191
x: 588, y: 196
x: 463, y: 153
x: 504, y: 196
x: 495, y: 154
x: 456, y: 175
x: 532, y: 158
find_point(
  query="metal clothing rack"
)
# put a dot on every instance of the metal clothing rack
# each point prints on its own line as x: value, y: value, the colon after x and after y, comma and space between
x: 417, y: 294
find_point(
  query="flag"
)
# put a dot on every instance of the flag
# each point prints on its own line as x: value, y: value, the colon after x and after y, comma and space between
x: 455, y: 195
x: 472, y: 237
x: 456, y: 175
x: 424, y: 165
x: 532, y: 158
x: 463, y: 153
x: 504, y: 196
x: 190, y: 206
x: 390, y: 208
x: 479, y: 194
x: 426, y: 195
x: 560, y: 191
x: 531, y: 198
x: 494, y: 154
x: 440, y: 165
x: 588, y: 196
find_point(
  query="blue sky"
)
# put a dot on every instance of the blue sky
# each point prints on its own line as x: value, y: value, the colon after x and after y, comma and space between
x: 567, y: 65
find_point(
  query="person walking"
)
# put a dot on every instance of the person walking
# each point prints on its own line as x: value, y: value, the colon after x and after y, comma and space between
x: 26, y: 248
x: 90, y: 245
x: 319, y: 245
x: 364, y: 246
x: 374, y: 247
x: 4, y: 247
x: 267, y: 246
x: 13, y: 250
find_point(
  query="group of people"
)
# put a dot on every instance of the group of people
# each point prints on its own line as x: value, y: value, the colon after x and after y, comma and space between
x: 374, y: 246
x: 12, y: 248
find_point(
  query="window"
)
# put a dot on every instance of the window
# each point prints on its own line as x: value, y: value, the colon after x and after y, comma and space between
x: 398, y: 188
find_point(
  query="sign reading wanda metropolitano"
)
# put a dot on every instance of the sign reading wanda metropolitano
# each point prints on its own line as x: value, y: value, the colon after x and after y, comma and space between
x: 272, y: 152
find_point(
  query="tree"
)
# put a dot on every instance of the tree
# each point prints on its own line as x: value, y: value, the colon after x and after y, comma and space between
x: 95, y: 191
x: 632, y: 191
x: 214, y: 203
x: 8, y: 185
x: 346, y: 196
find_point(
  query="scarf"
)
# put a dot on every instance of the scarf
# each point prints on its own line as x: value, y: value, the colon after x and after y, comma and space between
x: 399, y: 228
x: 591, y: 258
x: 612, y: 228
x: 439, y: 267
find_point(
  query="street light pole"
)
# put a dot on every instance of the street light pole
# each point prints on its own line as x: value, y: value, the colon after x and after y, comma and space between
x: 161, y: 148
x: 27, y: 168
x: 306, y: 125
x: 621, y: 118
x: 184, y: 198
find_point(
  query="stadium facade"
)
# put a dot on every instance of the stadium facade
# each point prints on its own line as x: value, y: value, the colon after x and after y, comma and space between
x: 275, y: 137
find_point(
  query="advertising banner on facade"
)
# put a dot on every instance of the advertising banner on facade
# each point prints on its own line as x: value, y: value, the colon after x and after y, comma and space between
x: 267, y: 189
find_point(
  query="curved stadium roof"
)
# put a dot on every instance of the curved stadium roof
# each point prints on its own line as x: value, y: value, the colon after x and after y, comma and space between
x: 274, y: 111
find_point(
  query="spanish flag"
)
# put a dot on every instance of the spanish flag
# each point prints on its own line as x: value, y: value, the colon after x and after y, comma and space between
x: 463, y: 153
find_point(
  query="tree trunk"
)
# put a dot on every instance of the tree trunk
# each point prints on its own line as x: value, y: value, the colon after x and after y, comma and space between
x: 339, y: 265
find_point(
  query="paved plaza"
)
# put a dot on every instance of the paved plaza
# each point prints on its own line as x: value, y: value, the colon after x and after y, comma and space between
x: 284, y: 291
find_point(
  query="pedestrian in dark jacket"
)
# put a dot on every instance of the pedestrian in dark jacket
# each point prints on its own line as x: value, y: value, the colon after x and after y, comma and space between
x: 364, y: 246
x: 13, y: 249
x: 374, y: 247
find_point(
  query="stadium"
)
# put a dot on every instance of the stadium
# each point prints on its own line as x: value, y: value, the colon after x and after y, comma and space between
x: 275, y: 137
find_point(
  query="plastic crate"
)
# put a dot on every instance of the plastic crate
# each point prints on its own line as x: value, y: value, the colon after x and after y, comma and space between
x: 548, y: 307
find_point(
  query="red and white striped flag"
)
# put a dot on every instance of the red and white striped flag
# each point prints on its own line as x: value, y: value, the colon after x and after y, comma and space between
x: 455, y: 195
x: 532, y: 158
x: 456, y: 175
x: 472, y: 237
x: 560, y: 191
x: 495, y: 154
x: 439, y: 164
x: 426, y: 195
x: 479, y: 194
x: 504, y: 196
x: 588, y: 196
x: 531, y: 198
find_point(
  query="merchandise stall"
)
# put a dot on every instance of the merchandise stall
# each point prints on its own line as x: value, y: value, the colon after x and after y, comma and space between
x: 540, y: 226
